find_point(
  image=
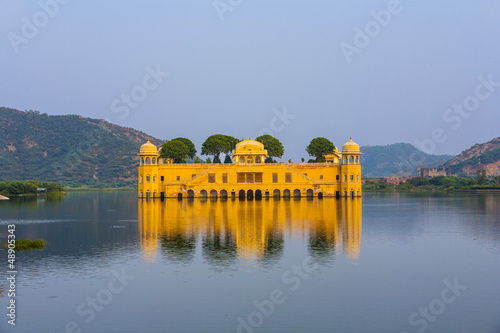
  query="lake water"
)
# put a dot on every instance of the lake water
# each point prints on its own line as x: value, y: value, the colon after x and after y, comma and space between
x: 383, y: 263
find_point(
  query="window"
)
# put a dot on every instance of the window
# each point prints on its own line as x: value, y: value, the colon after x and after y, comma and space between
x: 211, y: 177
x: 242, y: 160
x: 241, y: 178
x: 250, y: 178
x: 141, y: 180
x: 178, y: 178
x: 142, y: 161
x: 275, y: 177
x: 288, y: 177
x: 147, y: 179
x: 258, y: 178
x: 154, y: 160
x: 257, y: 160
x: 224, y: 177
x: 337, y: 178
x: 154, y: 179
x: 345, y: 178
x: 162, y: 179
x: 249, y: 161
x: 352, y: 178
x: 320, y: 176
x: 148, y: 160
x: 357, y: 178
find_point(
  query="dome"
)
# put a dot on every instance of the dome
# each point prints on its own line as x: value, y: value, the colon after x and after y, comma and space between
x: 148, y: 148
x: 250, y: 147
x: 350, y: 148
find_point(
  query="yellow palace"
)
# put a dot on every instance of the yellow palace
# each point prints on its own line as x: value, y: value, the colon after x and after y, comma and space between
x: 248, y: 176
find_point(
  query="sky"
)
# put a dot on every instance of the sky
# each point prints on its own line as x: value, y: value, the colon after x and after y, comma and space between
x: 418, y: 71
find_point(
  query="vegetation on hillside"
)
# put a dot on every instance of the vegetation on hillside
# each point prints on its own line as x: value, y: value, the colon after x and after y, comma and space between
x: 70, y: 150
x: 481, y: 156
x: 489, y: 157
x: 400, y: 159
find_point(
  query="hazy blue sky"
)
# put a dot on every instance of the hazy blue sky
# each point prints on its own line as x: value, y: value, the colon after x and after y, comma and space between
x: 379, y: 71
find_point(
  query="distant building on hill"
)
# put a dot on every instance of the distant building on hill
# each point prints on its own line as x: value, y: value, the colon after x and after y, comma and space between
x: 433, y: 172
x: 248, y: 176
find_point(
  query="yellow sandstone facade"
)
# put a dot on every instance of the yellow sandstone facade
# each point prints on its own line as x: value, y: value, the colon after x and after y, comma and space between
x: 248, y: 176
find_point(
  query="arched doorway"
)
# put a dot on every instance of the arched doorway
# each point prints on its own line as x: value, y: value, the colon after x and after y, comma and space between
x: 223, y: 194
x: 241, y: 195
x: 286, y: 193
x: 179, y: 196
x: 213, y: 194
x: 258, y: 195
x: 276, y: 194
x: 203, y: 194
x: 190, y: 194
x: 296, y: 193
x: 310, y: 193
x: 320, y: 195
x: 249, y: 195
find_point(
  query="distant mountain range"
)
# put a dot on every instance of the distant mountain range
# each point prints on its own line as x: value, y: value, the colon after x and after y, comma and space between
x: 399, y: 159
x: 71, y: 150
x: 483, y: 156
x: 75, y: 151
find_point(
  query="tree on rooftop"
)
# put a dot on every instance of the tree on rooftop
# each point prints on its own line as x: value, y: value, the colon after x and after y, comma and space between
x: 274, y: 146
x: 190, y: 145
x: 218, y: 144
x: 174, y: 149
x: 319, y: 147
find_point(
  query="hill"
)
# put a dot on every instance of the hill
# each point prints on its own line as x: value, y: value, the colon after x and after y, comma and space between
x: 484, y: 156
x: 399, y: 159
x: 70, y: 149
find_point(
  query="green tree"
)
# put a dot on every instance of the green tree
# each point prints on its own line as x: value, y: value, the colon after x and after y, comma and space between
x: 418, y: 181
x: 228, y: 159
x: 274, y: 146
x: 174, y: 149
x: 208, y: 160
x: 218, y: 144
x: 15, y: 188
x: 190, y: 145
x: 31, y: 186
x: 319, y: 147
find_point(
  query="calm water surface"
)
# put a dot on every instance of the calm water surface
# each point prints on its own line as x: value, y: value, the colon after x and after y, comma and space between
x: 384, y: 263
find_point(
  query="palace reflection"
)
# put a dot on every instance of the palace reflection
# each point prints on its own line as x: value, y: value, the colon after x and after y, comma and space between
x: 251, y: 231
